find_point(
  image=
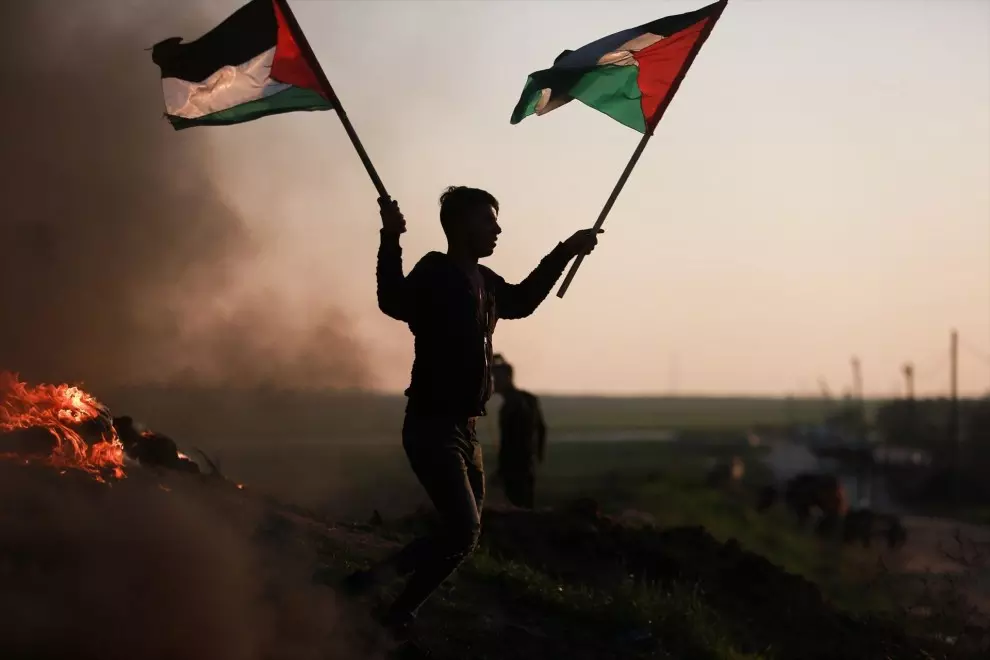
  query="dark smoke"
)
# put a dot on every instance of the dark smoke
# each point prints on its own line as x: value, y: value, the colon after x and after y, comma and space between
x: 132, y: 571
x: 116, y: 246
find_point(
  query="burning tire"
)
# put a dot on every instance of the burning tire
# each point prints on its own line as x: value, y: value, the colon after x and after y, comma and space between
x: 79, y: 429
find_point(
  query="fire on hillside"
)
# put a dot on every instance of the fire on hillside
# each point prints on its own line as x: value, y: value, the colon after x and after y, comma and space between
x: 67, y: 428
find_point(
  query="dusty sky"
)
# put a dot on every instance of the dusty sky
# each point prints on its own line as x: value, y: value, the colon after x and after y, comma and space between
x: 819, y: 188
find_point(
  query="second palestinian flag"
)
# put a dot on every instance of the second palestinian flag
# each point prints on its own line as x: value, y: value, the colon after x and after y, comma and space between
x: 247, y: 67
x: 630, y: 75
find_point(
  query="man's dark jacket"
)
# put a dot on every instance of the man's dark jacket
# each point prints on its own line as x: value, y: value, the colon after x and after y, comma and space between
x: 522, y: 432
x: 451, y: 373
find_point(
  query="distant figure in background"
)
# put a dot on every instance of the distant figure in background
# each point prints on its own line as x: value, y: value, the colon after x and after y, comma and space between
x: 766, y: 497
x: 809, y: 492
x: 522, y: 437
x: 727, y: 474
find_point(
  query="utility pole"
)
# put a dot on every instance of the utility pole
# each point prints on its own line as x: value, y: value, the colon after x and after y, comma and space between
x: 954, y: 435
x: 864, y: 477
x: 909, y: 381
x: 858, y: 404
x: 857, y: 380
x: 909, y: 397
x: 954, y: 370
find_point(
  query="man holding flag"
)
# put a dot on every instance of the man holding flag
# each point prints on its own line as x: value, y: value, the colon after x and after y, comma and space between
x: 451, y: 304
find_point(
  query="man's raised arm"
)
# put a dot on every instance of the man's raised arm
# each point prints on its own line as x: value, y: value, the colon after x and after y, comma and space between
x: 393, y: 288
x: 516, y: 301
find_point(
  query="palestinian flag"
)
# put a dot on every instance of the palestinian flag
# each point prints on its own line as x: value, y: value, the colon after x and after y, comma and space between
x: 247, y: 67
x: 631, y: 76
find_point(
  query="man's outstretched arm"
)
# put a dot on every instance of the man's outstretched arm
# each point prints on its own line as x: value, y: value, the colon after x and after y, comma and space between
x: 393, y: 288
x: 516, y: 301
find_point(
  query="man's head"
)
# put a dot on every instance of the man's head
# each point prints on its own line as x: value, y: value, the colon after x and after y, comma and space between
x: 501, y: 374
x: 470, y: 220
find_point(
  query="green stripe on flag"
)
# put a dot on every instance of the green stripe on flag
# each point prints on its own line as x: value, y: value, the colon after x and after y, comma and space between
x: 613, y: 90
x: 528, y: 101
x: 288, y: 100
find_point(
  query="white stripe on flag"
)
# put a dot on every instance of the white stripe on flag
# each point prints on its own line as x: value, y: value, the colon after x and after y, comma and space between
x: 228, y: 87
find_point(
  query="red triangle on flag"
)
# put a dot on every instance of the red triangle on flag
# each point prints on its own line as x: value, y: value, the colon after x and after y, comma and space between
x: 290, y: 64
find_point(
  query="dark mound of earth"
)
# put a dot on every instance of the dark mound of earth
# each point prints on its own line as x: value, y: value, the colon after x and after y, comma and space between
x: 173, y: 540
x: 770, y: 608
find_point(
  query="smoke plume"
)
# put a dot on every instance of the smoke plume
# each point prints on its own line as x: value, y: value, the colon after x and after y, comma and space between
x: 138, y: 571
x: 119, y: 258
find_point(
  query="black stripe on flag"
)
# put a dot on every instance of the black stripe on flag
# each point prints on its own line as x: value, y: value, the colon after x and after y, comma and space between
x: 671, y: 25
x: 244, y: 35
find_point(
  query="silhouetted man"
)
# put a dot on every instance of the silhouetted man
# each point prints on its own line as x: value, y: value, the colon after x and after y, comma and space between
x: 451, y: 305
x: 522, y: 437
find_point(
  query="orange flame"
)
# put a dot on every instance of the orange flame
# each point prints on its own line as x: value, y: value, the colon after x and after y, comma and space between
x: 60, y: 409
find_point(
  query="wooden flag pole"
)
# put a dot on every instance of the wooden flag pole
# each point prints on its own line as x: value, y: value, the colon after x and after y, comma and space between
x: 321, y: 77
x: 608, y: 207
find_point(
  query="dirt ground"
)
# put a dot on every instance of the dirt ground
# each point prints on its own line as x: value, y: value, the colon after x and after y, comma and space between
x: 951, y: 553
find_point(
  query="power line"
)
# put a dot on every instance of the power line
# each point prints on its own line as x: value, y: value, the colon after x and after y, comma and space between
x: 974, y: 351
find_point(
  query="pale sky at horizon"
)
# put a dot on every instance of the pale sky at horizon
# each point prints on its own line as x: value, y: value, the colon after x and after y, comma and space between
x: 819, y: 188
